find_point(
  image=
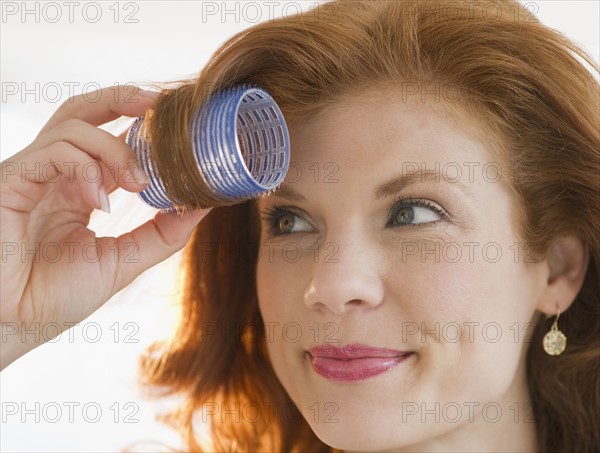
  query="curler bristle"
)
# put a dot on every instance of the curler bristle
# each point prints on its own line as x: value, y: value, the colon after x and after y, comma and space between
x: 240, y: 143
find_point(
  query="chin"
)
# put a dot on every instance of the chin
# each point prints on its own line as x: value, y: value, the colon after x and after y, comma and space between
x: 344, y: 438
x: 348, y: 438
x: 357, y: 430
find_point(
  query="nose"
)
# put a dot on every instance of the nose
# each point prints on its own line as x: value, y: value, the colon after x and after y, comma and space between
x: 346, y: 277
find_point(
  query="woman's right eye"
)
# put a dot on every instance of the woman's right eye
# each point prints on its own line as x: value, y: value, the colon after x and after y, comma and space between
x: 280, y: 221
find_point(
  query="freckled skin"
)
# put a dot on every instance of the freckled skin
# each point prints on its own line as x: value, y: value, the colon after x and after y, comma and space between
x: 464, y: 319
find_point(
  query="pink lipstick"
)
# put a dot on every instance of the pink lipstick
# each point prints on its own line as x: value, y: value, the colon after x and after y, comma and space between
x: 354, y: 362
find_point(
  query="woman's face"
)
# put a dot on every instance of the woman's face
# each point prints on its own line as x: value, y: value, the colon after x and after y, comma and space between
x: 397, y: 323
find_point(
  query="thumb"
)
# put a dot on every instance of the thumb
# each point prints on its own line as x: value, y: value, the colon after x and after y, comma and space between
x: 151, y: 243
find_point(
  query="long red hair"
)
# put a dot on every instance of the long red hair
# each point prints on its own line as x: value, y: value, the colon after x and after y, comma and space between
x: 541, y: 106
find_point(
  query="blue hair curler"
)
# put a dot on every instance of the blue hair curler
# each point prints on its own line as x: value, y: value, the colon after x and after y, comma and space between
x: 240, y: 143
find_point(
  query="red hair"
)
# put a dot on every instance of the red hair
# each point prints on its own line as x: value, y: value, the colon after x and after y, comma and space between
x: 540, y: 106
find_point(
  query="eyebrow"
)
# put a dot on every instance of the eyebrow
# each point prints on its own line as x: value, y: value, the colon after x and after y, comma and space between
x: 389, y: 188
x: 288, y: 193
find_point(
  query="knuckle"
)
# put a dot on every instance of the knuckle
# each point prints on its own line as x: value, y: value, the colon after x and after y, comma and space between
x: 62, y: 150
x: 61, y: 146
x: 70, y: 101
x: 69, y: 126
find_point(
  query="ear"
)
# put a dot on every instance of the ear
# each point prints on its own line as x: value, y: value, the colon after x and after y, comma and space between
x: 567, y: 263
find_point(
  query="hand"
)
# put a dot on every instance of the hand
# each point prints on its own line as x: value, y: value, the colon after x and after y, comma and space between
x: 48, y: 192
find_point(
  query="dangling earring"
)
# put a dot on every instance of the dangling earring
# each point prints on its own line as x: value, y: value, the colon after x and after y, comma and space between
x: 555, y: 341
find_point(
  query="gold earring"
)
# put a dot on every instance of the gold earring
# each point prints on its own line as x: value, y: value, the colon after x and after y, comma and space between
x: 555, y: 341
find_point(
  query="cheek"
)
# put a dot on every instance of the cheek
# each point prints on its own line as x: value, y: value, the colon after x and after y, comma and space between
x: 469, y: 320
x: 279, y: 298
x: 266, y: 279
x: 264, y: 290
x: 283, y: 272
x: 453, y: 278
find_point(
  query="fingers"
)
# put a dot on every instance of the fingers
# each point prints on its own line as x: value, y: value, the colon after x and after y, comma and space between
x: 123, y: 135
x: 116, y: 155
x: 104, y: 105
x: 66, y: 162
x: 58, y: 163
x: 150, y: 243
x: 74, y: 123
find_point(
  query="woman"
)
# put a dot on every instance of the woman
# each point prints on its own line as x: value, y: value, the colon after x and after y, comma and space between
x: 440, y: 218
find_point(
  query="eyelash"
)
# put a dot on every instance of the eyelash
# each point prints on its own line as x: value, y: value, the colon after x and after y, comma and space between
x: 413, y: 201
x: 272, y: 215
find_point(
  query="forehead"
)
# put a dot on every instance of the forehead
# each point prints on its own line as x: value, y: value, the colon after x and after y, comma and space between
x: 386, y: 128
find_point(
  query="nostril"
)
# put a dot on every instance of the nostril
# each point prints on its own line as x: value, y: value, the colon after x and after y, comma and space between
x: 339, y: 290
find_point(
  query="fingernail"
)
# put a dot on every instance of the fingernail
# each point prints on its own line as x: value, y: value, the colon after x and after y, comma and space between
x: 149, y: 94
x: 137, y: 174
x: 104, y: 203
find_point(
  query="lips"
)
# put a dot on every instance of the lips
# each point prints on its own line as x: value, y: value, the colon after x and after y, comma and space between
x: 354, y: 362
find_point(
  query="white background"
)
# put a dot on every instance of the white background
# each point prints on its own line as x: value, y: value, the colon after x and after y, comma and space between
x: 102, y: 44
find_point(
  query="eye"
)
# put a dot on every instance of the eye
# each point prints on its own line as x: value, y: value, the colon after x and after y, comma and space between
x: 414, y: 212
x: 281, y: 220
